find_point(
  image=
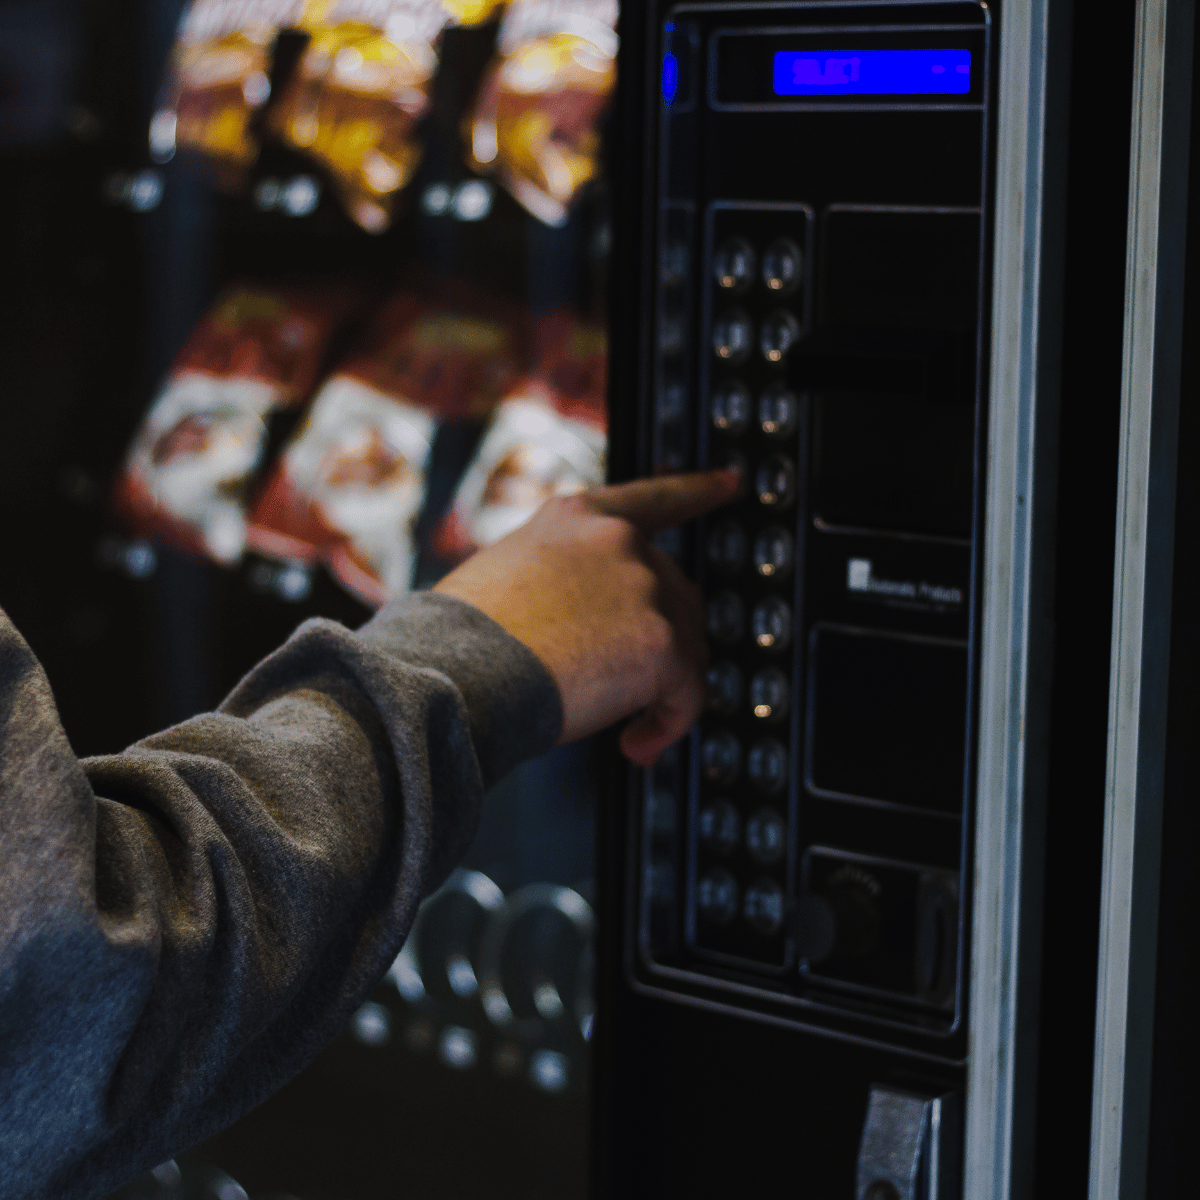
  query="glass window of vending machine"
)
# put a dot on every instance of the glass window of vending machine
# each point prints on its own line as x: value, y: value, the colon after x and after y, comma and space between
x: 301, y: 303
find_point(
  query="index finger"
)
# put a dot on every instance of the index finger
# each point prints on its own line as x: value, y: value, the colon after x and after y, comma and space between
x: 667, y: 500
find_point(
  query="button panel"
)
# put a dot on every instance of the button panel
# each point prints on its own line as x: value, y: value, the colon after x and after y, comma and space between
x: 818, y: 328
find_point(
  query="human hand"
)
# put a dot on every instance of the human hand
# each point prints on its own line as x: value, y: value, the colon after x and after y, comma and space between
x: 614, y: 620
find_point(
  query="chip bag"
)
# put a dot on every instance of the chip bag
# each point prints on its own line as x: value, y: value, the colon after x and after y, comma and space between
x: 218, y: 79
x: 350, y: 485
x: 536, y: 119
x: 257, y: 350
x: 361, y: 88
x: 547, y: 438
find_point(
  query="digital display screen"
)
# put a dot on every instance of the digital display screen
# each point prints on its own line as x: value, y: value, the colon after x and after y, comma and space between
x: 872, y: 72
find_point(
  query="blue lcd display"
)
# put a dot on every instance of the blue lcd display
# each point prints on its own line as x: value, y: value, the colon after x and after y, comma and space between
x: 872, y: 72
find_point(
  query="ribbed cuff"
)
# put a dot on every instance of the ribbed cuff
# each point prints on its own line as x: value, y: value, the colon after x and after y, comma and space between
x: 514, y: 706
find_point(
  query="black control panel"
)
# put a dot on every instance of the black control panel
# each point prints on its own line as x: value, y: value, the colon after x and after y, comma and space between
x: 817, y: 177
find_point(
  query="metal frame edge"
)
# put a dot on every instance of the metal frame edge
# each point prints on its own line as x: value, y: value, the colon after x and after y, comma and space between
x: 1150, y: 376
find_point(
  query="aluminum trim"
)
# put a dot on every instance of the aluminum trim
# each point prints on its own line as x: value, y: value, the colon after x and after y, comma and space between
x: 1141, y: 598
x: 1001, y: 1025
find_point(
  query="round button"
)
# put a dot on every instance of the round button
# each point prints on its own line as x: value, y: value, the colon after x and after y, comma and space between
x: 724, y: 688
x: 778, y: 411
x: 774, y: 552
x: 763, y: 907
x: 717, y: 896
x: 730, y: 407
x: 767, y: 766
x: 733, y: 264
x: 671, y: 333
x: 733, y: 335
x: 770, y: 693
x: 781, y: 266
x: 727, y: 547
x: 674, y: 263
x: 771, y: 623
x: 726, y: 618
x: 719, y: 827
x: 721, y: 757
x: 780, y: 332
x: 766, y: 836
x: 775, y: 482
x: 672, y: 400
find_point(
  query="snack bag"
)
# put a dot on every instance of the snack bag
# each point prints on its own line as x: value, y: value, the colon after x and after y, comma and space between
x: 217, y: 81
x: 546, y: 439
x: 352, y: 482
x: 536, y: 120
x: 361, y: 88
x: 255, y: 351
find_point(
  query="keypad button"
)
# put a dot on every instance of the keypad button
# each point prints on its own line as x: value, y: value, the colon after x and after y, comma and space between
x: 780, y: 332
x: 781, y: 266
x: 775, y: 482
x: 719, y: 827
x: 672, y: 400
x: 763, y: 907
x: 674, y: 263
x: 771, y: 623
x: 726, y: 618
x: 766, y: 837
x: 733, y: 335
x: 721, y: 758
x: 717, y: 896
x: 778, y: 411
x: 727, y: 548
x: 671, y: 333
x: 770, y: 694
x: 724, y: 688
x: 767, y: 766
x: 774, y: 552
x: 733, y: 264
x: 730, y: 407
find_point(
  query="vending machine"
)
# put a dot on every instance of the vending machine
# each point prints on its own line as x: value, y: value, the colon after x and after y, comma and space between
x: 848, y: 935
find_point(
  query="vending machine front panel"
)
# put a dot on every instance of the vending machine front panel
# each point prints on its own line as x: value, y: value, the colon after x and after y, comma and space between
x: 818, y: 182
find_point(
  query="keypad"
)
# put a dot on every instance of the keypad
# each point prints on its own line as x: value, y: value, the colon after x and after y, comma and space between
x: 759, y: 315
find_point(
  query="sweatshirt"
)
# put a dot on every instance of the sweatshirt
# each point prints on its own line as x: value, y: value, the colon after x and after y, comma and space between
x: 185, y: 924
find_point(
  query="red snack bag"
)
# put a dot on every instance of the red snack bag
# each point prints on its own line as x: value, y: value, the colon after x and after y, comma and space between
x: 537, y: 116
x: 217, y: 80
x: 255, y: 351
x: 547, y: 438
x: 353, y: 480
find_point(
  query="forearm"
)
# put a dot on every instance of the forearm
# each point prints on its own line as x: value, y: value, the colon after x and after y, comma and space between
x: 188, y: 922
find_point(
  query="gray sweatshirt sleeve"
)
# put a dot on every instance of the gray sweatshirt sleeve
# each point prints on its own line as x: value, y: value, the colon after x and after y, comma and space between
x: 184, y: 925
